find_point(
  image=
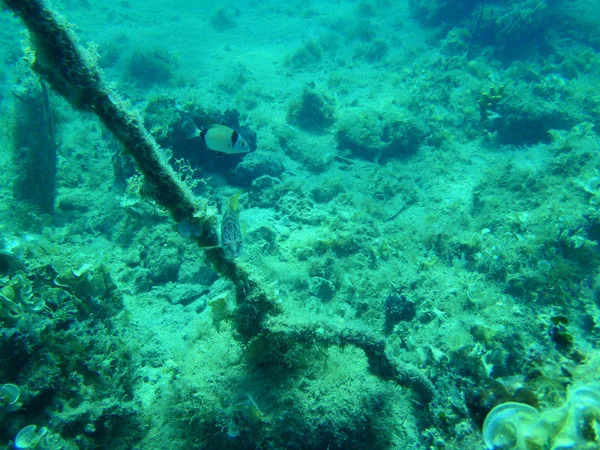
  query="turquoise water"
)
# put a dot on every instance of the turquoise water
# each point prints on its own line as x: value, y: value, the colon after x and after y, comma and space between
x: 419, y: 211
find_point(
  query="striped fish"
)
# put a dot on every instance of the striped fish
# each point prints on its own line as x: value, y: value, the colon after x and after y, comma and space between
x: 231, y: 232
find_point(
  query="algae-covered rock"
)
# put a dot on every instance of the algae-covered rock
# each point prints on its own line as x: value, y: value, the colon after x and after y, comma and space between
x: 306, y: 56
x: 313, y: 111
x: 398, y: 307
x: 256, y: 165
x: 526, y: 118
x: 223, y: 18
x: 439, y: 12
x: 328, y: 189
x: 9, y: 262
x: 62, y: 350
x: 275, y: 408
x: 373, y: 51
x: 380, y: 137
x: 151, y: 66
x: 322, y: 288
x: 168, y: 116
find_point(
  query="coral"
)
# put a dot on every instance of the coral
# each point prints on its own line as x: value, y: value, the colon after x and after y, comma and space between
x: 86, y: 285
x: 16, y: 297
x: 9, y: 396
x: 582, y: 425
x: 30, y: 437
x: 518, y: 426
x: 510, y: 425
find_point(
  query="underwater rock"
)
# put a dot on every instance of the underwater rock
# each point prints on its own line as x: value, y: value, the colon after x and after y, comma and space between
x: 372, y: 52
x: 266, y: 238
x: 440, y: 12
x: 527, y: 120
x: 223, y: 18
x: 255, y: 165
x: 9, y: 262
x: 481, y: 399
x: 312, y: 111
x: 306, y: 56
x: 265, y: 182
x: 322, y: 288
x: 164, y: 264
x: 379, y: 137
x: 180, y: 293
x: 149, y: 67
x: 398, y: 308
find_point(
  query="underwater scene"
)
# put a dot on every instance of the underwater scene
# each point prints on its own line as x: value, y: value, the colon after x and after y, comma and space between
x: 311, y: 224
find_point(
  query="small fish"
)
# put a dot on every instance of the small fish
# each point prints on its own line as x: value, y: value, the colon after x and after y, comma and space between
x: 231, y: 232
x: 220, y: 138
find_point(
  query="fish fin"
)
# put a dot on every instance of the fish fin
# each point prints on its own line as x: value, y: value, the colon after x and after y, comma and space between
x: 234, y: 200
x: 191, y: 130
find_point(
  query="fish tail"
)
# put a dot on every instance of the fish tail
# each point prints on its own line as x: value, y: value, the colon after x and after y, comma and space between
x: 191, y: 130
x: 234, y: 200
